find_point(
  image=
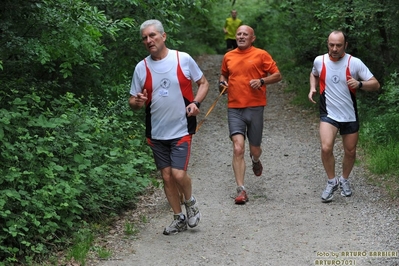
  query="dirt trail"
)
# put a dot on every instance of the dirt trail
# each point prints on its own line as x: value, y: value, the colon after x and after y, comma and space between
x: 284, y: 222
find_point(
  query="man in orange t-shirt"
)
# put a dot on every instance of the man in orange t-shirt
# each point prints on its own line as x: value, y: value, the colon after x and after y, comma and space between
x: 246, y: 71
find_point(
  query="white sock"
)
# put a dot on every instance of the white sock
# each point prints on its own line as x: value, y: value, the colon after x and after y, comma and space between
x: 342, y: 179
x: 180, y: 214
x: 332, y: 181
x: 190, y: 200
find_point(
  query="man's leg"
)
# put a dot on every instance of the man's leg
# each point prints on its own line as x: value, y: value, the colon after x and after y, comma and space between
x: 183, y: 181
x: 238, y: 158
x: 350, y: 143
x: 256, y: 152
x: 179, y: 222
x: 239, y: 167
x: 171, y: 190
x: 328, y: 134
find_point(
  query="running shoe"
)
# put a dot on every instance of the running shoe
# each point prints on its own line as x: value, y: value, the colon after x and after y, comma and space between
x: 345, y: 188
x: 193, y: 213
x: 242, y: 197
x: 257, y: 167
x: 332, y: 186
x: 179, y: 224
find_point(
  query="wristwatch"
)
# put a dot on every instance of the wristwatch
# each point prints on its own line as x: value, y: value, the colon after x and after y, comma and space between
x: 262, y: 82
x: 198, y: 104
x: 360, y: 84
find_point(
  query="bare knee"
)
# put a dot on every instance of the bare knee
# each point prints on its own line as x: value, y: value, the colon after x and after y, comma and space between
x: 326, y: 150
x: 350, y: 152
x: 238, y: 150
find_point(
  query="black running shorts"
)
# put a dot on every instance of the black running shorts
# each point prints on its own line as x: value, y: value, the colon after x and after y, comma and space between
x: 344, y: 127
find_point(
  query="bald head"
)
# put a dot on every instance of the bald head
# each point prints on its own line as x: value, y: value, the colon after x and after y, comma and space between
x: 245, y: 36
x: 337, y: 34
x: 247, y: 29
x: 336, y: 43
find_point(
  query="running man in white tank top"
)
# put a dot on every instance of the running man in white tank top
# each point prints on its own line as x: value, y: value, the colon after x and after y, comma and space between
x: 162, y: 82
x: 339, y: 76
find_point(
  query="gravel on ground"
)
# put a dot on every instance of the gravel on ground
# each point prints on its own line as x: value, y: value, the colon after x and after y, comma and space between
x: 283, y: 223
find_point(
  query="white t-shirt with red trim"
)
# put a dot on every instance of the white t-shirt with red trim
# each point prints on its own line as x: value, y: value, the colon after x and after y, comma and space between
x: 337, y: 100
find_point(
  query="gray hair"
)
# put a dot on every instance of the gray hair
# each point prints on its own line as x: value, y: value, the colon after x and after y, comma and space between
x: 152, y: 22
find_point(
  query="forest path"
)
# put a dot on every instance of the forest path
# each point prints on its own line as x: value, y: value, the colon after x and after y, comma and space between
x: 284, y: 222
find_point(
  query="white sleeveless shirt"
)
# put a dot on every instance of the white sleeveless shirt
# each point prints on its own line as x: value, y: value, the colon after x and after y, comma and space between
x: 337, y: 100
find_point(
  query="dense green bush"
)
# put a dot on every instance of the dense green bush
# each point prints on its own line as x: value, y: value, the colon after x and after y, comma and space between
x: 379, y: 134
x: 64, y: 164
x: 380, y: 122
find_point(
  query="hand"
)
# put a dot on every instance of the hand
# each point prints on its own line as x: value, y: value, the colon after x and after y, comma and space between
x: 353, y: 83
x: 141, y: 98
x: 255, y: 84
x: 192, y: 110
x: 223, y: 86
x: 310, y: 96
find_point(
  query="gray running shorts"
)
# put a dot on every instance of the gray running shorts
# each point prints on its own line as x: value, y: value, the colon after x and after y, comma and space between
x: 247, y: 122
x: 174, y: 153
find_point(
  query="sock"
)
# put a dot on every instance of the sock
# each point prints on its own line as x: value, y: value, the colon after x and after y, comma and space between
x: 181, y: 215
x: 254, y: 160
x: 342, y: 179
x: 190, y: 200
x: 332, y: 181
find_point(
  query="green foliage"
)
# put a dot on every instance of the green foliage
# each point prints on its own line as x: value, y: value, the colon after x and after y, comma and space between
x: 130, y: 229
x: 379, y: 133
x: 84, y: 47
x: 102, y: 252
x: 66, y: 159
x: 52, y: 37
x: 81, y: 246
x: 385, y: 159
x: 380, y: 122
x: 64, y: 164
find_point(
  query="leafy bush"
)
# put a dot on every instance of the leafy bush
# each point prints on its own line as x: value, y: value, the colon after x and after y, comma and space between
x: 380, y: 121
x: 379, y: 134
x: 63, y: 164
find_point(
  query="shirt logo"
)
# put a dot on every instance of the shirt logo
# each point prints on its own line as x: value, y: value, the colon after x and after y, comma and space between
x: 165, y: 83
x: 335, y: 79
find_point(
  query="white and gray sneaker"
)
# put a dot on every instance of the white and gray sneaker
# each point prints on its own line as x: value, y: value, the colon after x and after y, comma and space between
x: 345, y: 188
x: 193, y: 213
x: 327, y: 195
x: 179, y: 224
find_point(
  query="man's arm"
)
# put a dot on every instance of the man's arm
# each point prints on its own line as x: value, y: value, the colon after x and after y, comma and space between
x: 258, y: 83
x: 273, y: 78
x: 313, y: 80
x: 369, y: 85
x: 203, y: 87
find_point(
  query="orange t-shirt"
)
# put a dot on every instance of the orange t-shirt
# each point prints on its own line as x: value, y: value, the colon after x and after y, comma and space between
x: 240, y: 66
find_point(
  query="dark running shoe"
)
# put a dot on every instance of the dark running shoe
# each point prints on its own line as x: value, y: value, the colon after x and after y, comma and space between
x: 257, y: 167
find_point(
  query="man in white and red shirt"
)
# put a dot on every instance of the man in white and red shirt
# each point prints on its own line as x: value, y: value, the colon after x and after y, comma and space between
x: 162, y: 82
x: 339, y: 76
